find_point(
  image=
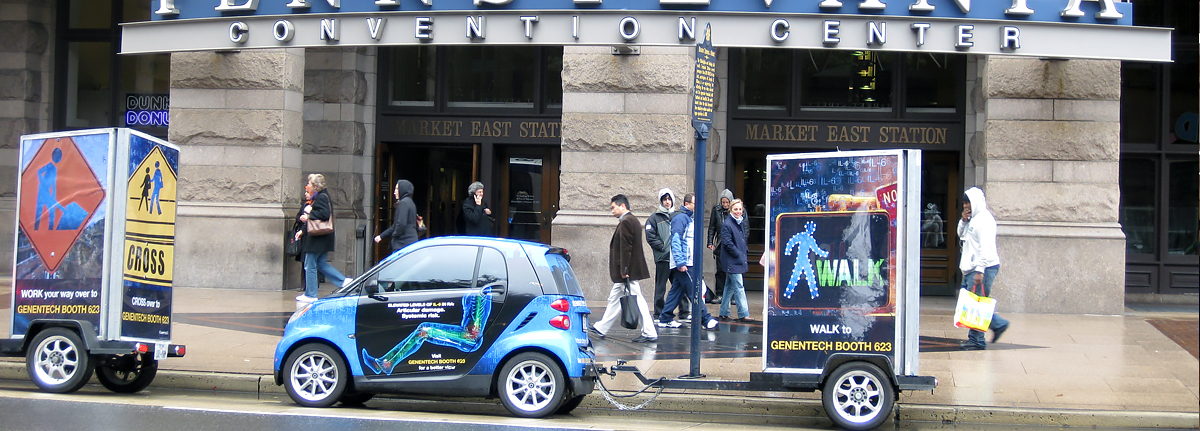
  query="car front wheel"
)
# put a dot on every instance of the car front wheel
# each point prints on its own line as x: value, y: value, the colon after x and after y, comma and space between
x: 531, y: 385
x: 316, y: 375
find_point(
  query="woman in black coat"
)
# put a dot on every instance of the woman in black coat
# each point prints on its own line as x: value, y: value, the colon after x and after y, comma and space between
x: 476, y: 212
x: 317, y: 247
x: 733, y: 250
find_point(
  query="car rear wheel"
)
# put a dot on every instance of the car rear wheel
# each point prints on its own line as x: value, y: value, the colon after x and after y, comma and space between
x: 569, y: 405
x: 316, y: 376
x: 58, y: 362
x: 857, y: 396
x: 127, y: 374
x: 531, y: 385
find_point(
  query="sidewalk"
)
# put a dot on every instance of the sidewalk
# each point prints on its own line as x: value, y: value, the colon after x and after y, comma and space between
x: 1076, y: 370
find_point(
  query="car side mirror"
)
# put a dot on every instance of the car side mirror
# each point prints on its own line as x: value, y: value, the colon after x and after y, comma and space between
x: 372, y: 290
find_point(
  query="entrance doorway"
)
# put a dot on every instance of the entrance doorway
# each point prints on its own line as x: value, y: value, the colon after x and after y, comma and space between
x: 528, y: 190
x: 939, y: 197
x: 440, y: 176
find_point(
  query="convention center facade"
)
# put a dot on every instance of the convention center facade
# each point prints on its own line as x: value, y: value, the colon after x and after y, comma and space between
x: 1077, y: 117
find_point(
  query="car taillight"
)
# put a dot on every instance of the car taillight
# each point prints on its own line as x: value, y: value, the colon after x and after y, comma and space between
x: 561, y: 321
x: 562, y: 305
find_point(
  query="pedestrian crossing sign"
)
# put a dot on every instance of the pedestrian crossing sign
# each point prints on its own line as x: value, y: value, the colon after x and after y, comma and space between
x: 150, y: 221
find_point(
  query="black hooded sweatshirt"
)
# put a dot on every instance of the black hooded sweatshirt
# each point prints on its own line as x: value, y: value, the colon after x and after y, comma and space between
x: 404, y: 224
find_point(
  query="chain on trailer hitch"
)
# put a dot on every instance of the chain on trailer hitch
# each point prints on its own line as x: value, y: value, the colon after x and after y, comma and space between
x: 612, y: 398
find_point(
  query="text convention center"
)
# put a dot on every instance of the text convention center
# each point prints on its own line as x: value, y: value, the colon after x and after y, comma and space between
x: 1078, y: 118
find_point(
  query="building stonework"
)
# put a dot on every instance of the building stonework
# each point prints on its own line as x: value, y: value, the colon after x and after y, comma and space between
x: 26, y: 63
x: 625, y: 129
x: 237, y: 119
x: 1050, y: 143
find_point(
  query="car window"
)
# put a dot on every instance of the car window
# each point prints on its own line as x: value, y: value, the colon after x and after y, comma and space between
x: 564, y: 277
x: 492, y: 269
x: 441, y: 267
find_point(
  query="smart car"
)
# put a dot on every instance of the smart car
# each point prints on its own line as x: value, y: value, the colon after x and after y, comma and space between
x: 449, y: 316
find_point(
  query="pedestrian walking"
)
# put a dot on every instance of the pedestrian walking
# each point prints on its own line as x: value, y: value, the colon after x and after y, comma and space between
x: 406, y: 223
x: 476, y: 213
x: 683, y: 278
x: 626, y: 265
x: 734, y: 260
x: 317, y: 247
x: 980, y: 262
x: 716, y: 218
x: 658, y: 235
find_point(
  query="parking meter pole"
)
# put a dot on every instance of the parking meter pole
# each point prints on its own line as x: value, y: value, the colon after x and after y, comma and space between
x: 697, y: 275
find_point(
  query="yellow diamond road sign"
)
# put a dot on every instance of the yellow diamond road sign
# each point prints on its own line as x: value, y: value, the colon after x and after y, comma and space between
x: 150, y: 222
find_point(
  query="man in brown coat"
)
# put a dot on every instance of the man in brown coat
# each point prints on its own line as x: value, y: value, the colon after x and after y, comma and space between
x: 626, y: 264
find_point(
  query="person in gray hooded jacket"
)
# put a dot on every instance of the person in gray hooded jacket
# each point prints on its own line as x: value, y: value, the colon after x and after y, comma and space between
x: 658, y: 235
x: 406, y: 224
x: 715, y: 219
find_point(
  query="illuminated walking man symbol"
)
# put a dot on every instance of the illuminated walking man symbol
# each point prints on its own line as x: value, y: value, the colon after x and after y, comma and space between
x: 467, y: 336
x: 806, y: 243
x: 158, y: 185
x: 47, y: 200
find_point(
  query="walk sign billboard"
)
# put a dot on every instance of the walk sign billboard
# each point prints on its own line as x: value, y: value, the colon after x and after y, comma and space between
x: 95, y: 240
x: 839, y: 277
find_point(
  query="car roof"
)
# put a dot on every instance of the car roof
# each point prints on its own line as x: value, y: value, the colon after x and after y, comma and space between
x: 508, y: 246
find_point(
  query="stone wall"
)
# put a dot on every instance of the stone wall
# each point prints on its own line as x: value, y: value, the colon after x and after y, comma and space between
x: 626, y: 129
x: 26, y: 59
x: 1050, y: 146
x: 237, y: 119
x: 339, y: 142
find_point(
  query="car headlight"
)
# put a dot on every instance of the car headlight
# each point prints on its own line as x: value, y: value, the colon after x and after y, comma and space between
x: 300, y: 312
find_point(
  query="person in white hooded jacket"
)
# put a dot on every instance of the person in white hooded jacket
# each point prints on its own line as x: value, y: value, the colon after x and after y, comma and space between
x: 980, y: 260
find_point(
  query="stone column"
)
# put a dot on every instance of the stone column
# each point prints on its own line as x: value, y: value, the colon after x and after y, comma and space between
x: 626, y: 129
x: 26, y: 59
x: 339, y: 142
x: 237, y: 119
x: 1048, y: 161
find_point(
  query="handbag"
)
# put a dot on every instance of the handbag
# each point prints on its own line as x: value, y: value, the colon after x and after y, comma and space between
x: 629, y: 309
x: 320, y: 227
x: 973, y: 311
x: 292, y: 248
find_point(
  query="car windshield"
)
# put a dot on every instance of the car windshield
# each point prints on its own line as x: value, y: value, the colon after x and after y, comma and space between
x: 564, y: 277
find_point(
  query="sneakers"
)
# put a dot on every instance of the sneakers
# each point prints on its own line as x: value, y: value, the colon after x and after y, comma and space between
x: 712, y: 324
x: 595, y: 332
x: 998, y: 333
x: 685, y: 319
x: 671, y: 324
x: 305, y: 298
x: 644, y: 339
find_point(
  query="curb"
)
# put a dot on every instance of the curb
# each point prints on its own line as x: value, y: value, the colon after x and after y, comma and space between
x: 740, y: 405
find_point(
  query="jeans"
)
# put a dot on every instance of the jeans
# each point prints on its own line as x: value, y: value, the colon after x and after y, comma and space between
x: 314, y: 262
x: 998, y: 323
x: 734, y: 289
x: 682, y: 284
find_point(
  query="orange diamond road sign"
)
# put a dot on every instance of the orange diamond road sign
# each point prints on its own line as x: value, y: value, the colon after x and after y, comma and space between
x: 59, y: 194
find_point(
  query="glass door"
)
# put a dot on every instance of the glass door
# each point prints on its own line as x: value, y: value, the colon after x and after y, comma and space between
x: 529, y: 192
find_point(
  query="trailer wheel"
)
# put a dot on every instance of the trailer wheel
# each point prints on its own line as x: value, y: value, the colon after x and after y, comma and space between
x: 127, y: 374
x: 58, y: 362
x: 858, y: 396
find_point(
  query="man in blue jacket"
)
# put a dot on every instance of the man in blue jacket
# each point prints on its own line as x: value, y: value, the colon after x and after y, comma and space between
x: 683, y: 236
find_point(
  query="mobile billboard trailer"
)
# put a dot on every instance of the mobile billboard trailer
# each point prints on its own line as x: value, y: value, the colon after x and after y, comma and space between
x: 94, y: 258
x: 842, y: 306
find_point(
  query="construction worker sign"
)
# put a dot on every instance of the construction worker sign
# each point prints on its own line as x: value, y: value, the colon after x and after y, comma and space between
x: 150, y: 220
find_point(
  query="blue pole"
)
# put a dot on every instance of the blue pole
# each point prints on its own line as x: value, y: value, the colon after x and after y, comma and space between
x: 698, y: 248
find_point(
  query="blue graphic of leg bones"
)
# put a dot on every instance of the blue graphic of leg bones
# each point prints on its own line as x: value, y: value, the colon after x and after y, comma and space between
x: 466, y: 336
x: 806, y: 243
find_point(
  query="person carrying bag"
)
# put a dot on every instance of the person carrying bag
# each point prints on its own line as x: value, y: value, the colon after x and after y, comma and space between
x: 626, y: 265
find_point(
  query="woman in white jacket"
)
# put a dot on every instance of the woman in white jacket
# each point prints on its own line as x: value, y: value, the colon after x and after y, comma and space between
x: 980, y: 261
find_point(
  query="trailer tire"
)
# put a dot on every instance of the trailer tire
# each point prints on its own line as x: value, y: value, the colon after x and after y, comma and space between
x: 858, y: 396
x: 126, y: 374
x: 58, y: 362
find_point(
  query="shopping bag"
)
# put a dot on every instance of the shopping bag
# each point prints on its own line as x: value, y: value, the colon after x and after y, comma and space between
x: 629, y: 310
x: 973, y: 311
